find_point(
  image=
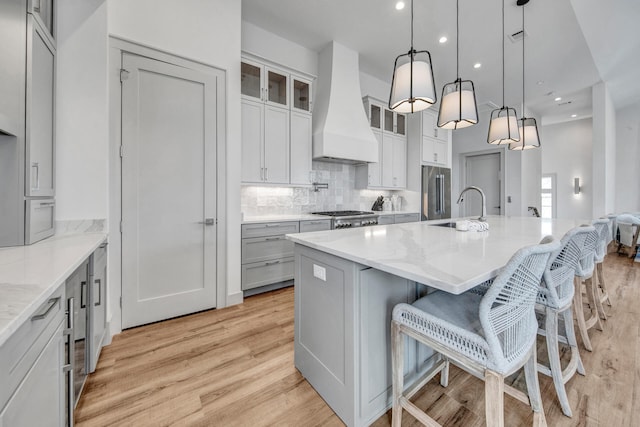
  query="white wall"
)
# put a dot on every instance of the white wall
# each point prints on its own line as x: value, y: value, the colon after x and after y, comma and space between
x: 604, y: 151
x: 276, y: 49
x: 567, y: 152
x: 82, y: 111
x: 627, y: 159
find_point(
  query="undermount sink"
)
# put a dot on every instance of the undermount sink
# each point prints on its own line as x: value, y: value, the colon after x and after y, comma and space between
x: 445, y: 224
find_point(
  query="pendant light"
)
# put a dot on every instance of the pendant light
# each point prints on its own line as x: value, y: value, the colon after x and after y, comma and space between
x: 503, y: 128
x: 412, y: 86
x: 458, y: 108
x: 529, y: 137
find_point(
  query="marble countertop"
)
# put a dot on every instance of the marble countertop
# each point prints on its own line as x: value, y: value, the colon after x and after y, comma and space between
x: 30, y: 274
x: 306, y: 217
x: 454, y: 261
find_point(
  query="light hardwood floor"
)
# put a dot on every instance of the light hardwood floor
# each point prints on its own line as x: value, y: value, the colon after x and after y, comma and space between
x: 234, y: 367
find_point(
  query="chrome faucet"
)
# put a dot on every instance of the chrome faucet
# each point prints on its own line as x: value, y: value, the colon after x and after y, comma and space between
x: 484, y: 206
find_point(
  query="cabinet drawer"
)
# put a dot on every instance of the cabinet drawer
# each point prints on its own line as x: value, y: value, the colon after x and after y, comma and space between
x: 400, y: 218
x: 266, y: 273
x: 269, y: 229
x: 265, y: 248
x: 39, y: 223
x: 23, y: 347
x: 315, y: 225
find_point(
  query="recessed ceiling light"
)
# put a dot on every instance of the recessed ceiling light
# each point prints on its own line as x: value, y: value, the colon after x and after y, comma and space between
x: 400, y: 5
x: 443, y: 39
x: 477, y: 65
x: 558, y: 99
x: 574, y: 116
x: 540, y: 82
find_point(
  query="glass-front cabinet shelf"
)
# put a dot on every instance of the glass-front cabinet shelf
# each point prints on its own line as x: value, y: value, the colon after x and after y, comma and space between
x: 388, y: 120
x: 301, y: 94
x: 250, y: 81
x: 277, y: 88
x: 401, y: 128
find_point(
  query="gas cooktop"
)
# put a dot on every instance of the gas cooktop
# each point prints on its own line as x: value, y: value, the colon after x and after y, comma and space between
x: 342, y: 213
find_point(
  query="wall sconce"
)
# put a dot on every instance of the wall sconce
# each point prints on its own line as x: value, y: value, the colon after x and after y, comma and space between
x: 576, y: 186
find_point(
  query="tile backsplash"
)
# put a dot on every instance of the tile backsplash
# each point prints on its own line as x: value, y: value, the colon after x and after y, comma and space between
x: 340, y: 195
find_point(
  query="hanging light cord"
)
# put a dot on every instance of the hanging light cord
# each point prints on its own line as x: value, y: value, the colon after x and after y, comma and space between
x: 457, y: 40
x: 412, y: 28
x: 502, y: 53
x: 523, y: 67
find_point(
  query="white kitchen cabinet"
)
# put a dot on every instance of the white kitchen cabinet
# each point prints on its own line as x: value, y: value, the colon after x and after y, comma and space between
x: 40, y: 119
x: 265, y: 143
x: 435, y: 143
x: 391, y: 169
x: 276, y: 125
x: 315, y: 225
x: 300, y: 144
x: 430, y: 126
x: 434, y: 151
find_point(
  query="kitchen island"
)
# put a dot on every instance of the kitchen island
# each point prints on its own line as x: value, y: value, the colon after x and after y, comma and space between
x: 348, y: 281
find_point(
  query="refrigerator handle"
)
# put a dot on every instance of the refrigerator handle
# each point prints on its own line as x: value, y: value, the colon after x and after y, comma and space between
x: 442, y: 205
x: 438, y: 194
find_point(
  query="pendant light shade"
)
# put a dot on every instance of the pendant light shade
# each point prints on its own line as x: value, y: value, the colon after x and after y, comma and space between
x: 529, y: 137
x: 458, y: 108
x: 412, y: 85
x: 503, y: 128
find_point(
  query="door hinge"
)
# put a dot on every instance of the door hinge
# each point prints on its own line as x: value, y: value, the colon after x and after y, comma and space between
x: 120, y: 227
x: 121, y: 151
x: 124, y: 75
x: 120, y: 302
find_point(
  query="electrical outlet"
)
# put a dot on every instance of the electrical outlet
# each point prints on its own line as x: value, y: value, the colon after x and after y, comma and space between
x: 320, y: 272
x: 508, y: 199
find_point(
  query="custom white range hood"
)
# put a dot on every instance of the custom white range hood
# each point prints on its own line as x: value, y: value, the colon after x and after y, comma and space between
x: 341, y: 131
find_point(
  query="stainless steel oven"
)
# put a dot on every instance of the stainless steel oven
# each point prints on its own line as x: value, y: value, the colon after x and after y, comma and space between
x: 350, y: 219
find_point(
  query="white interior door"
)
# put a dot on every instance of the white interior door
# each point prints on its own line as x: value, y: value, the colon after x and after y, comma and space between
x: 168, y: 190
x: 482, y: 171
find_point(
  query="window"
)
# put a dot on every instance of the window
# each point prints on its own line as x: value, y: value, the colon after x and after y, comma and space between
x: 548, y: 196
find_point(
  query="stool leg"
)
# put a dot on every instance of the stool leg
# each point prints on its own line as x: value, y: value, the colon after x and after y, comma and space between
x: 577, y: 303
x: 602, y: 284
x: 533, y: 389
x: 597, y: 284
x: 551, y: 328
x: 397, y: 361
x: 594, y: 319
x: 444, y: 374
x: 494, y: 398
x: 570, y: 333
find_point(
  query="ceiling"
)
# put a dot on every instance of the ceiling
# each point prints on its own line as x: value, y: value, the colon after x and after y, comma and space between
x: 561, y: 44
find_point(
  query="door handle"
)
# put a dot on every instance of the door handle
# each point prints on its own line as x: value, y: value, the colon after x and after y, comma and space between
x: 52, y: 303
x: 83, y: 303
x: 36, y: 165
x: 99, y: 282
x: 208, y: 221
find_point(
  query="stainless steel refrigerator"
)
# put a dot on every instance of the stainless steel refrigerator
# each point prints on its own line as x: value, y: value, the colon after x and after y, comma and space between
x: 436, y: 193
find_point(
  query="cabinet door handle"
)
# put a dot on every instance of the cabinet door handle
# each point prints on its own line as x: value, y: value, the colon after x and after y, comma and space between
x: 52, y: 303
x: 36, y: 165
x: 272, y: 238
x: 272, y: 263
x: 83, y: 302
x: 99, y: 282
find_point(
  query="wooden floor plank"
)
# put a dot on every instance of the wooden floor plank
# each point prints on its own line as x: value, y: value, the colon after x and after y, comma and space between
x: 234, y: 367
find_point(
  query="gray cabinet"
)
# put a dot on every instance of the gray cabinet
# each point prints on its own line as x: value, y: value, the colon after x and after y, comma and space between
x: 267, y: 256
x: 408, y: 217
x: 315, y: 225
x: 386, y: 219
x: 98, y: 304
x: 40, y: 128
x: 32, y: 378
x: 27, y: 120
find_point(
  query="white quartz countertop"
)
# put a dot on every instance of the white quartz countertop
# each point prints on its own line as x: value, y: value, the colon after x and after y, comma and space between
x: 450, y: 260
x: 30, y: 274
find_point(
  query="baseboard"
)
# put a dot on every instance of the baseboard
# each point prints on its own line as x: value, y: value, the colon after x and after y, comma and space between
x: 268, y: 288
x: 234, y: 299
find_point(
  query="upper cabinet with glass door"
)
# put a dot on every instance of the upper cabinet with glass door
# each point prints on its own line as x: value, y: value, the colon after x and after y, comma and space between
x: 394, y: 122
x: 301, y: 94
x: 44, y: 12
x: 262, y: 83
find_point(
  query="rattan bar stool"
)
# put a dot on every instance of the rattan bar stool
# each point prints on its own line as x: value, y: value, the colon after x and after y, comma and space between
x: 490, y: 336
x: 555, y: 300
x: 600, y: 287
x: 584, y: 273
